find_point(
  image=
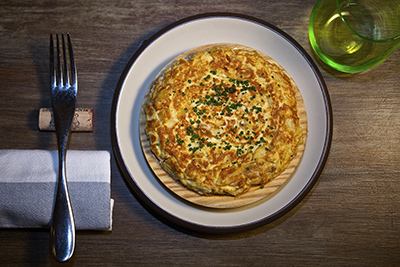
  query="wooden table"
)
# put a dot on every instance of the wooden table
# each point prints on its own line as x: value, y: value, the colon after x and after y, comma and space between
x: 351, y: 216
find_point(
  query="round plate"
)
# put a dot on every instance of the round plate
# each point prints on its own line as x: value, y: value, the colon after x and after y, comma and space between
x: 184, y: 35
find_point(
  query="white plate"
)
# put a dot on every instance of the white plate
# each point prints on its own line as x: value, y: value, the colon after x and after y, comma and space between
x: 197, y: 31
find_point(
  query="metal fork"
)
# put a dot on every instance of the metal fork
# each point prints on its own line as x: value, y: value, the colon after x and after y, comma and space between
x: 63, y: 81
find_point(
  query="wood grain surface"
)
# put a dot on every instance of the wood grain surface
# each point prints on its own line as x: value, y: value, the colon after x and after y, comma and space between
x: 256, y: 192
x: 351, y: 217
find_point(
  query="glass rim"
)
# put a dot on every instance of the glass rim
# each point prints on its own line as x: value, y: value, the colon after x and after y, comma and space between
x: 361, y: 36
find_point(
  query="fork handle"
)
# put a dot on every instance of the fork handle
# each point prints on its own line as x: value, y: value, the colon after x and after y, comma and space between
x: 62, y: 234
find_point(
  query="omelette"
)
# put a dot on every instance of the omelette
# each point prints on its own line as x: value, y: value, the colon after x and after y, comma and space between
x: 223, y: 119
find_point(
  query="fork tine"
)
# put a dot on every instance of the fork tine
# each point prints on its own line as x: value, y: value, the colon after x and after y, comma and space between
x: 66, y: 76
x: 58, y: 70
x: 52, y: 74
x: 72, y: 62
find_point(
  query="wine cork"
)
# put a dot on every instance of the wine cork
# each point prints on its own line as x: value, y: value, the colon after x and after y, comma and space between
x: 82, y: 122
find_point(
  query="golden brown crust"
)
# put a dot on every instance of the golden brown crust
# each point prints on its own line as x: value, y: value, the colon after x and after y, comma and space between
x: 223, y: 120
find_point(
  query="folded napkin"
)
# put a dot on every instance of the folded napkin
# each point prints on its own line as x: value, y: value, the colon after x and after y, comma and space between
x: 28, y: 187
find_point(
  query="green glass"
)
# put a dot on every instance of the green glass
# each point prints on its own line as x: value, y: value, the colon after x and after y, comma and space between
x: 354, y: 36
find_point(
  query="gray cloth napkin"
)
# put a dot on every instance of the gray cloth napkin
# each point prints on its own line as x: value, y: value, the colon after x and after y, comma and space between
x: 28, y: 187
